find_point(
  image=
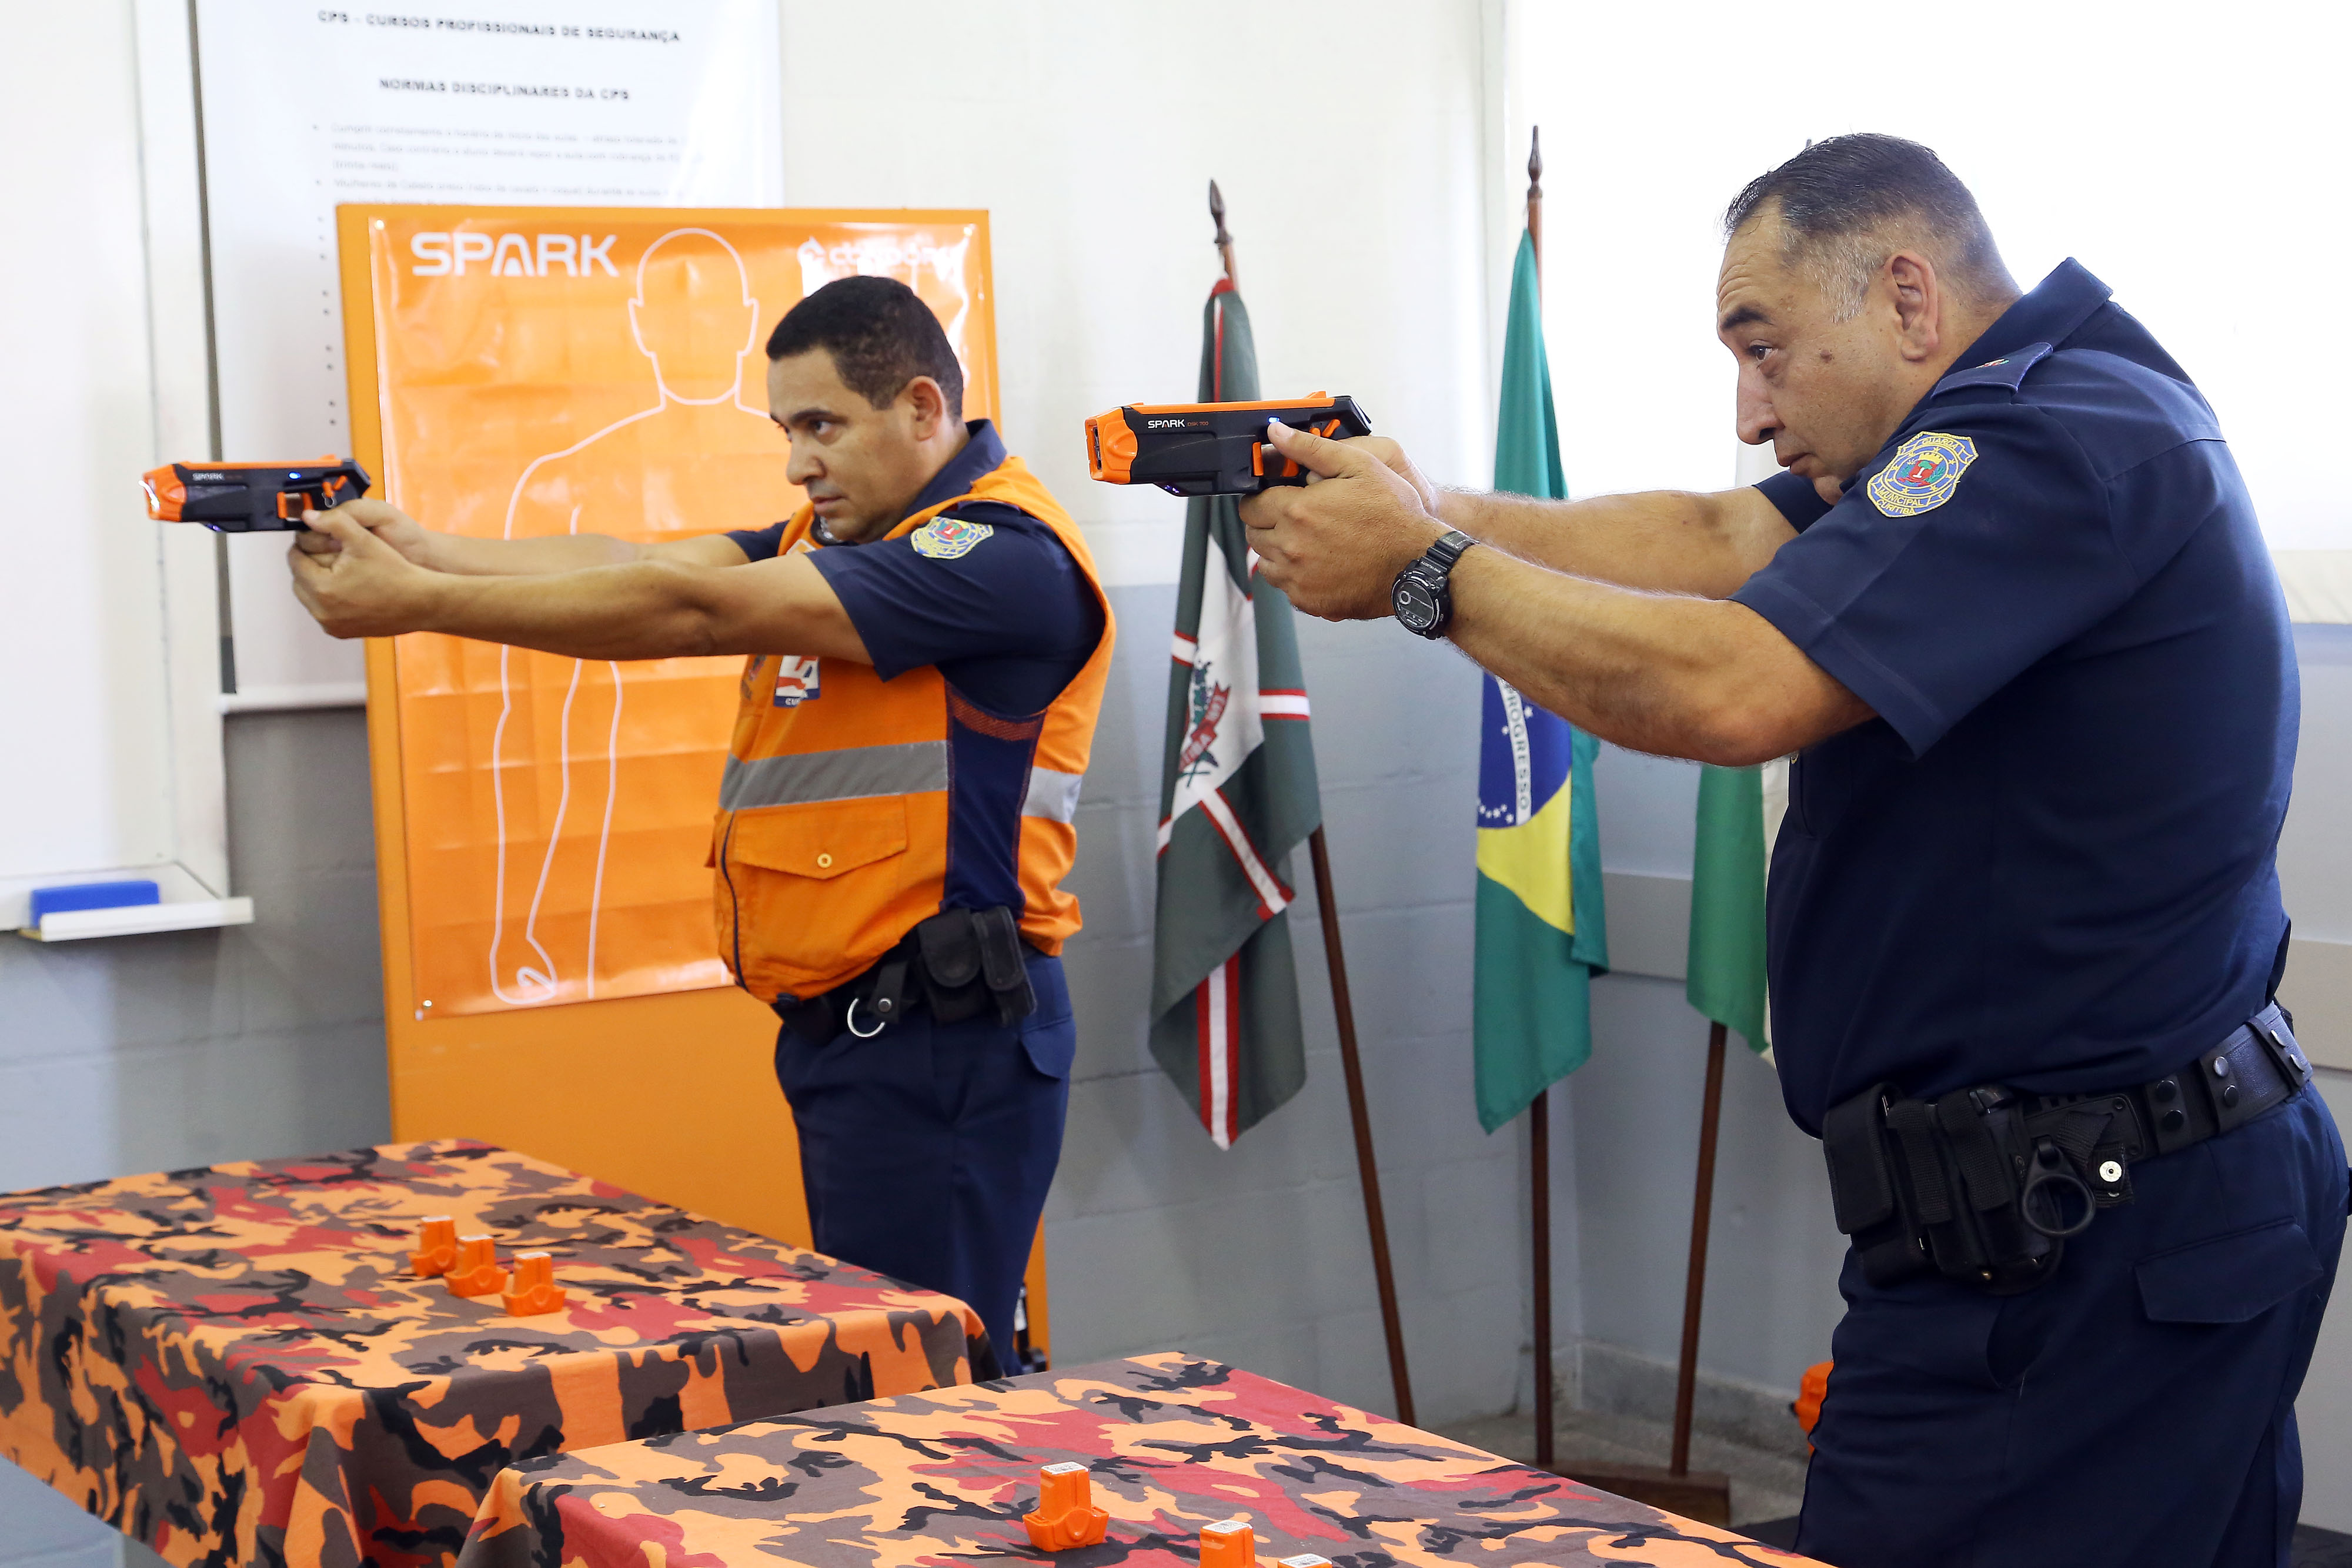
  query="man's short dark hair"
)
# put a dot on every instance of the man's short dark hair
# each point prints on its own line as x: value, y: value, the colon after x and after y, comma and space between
x: 880, y: 334
x: 1839, y: 200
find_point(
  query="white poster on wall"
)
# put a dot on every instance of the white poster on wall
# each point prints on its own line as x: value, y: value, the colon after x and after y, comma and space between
x: 571, y: 103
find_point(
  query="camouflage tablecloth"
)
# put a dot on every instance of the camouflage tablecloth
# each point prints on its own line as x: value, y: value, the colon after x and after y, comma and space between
x: 234, y: 1364
x: 1173, y: 1442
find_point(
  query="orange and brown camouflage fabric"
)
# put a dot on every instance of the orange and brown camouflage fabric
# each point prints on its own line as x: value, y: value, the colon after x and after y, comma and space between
x: 1173, y: 1443
x: 234, y: 1364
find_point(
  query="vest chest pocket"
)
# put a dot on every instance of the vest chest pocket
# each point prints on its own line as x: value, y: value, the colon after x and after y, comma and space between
x: 821, y: 840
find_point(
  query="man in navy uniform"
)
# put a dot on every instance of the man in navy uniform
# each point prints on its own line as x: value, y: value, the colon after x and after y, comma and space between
x: 2011, y: 608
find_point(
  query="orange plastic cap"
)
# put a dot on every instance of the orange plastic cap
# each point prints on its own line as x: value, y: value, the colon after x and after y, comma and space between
x: 1810, y: 1390
x: 1228, y: 1543
x: 1065, y: 1515
x: 534, y: 1290
x: 436, y: 1246
x: 164, y: 493
x: 476, y: 1272
x: 1110, y: 448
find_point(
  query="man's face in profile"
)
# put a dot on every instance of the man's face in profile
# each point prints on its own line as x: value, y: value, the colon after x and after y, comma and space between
x: 862, y: 466
x: 1822, y: 390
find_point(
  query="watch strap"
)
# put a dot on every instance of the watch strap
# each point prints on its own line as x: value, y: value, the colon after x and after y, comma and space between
x: 1448, y: 548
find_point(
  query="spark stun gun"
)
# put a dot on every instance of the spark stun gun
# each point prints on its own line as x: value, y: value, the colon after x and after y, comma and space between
x: 1211, y: 448
x: 251, y: 498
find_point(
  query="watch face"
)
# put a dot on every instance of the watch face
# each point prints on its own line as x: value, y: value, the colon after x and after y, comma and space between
x: 1415, y: 605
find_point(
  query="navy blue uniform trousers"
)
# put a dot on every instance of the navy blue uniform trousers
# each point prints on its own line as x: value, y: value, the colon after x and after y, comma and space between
x: 925, y: 1150
x: 2137, y: 1411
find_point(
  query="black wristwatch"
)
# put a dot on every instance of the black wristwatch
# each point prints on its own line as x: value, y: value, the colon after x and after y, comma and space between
x: 1422, y: 599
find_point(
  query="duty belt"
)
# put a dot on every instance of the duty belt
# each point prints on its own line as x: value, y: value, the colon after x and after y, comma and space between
x: 1986, y: 1184
x: 956, y: 963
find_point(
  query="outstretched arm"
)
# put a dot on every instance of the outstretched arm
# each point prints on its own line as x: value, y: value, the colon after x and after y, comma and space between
x: 533, y: 557
x: 654, y: 607
x: 1671, y: 541
x: 1676, y: 674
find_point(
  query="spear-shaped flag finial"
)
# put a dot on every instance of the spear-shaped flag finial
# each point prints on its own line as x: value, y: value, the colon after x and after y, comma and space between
x: 1225, y: 242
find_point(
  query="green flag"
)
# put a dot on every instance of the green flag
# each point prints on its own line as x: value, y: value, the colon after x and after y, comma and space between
x: 1237, y: 794
x: 1726, y: 979
x: 1542, y: 931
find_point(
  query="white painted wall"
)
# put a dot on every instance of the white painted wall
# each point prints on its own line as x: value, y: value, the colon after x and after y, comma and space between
x: 112, y: 759
x: 1355, y: 176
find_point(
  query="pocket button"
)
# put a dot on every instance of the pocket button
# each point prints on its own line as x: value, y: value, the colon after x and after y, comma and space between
x: 823, y: 862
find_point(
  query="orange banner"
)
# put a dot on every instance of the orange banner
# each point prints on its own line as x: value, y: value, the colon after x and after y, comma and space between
x: 547, y: 370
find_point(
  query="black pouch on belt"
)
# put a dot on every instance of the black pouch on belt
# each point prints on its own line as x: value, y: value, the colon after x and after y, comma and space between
x: 1954, y: 1185
x: 971, y: 958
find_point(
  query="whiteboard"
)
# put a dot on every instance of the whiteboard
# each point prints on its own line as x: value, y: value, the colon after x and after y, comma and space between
x: 572, y: 103
x: 112, y: 761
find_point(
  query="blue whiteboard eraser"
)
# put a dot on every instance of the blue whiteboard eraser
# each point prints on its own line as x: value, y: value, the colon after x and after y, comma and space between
x: 92, y: 895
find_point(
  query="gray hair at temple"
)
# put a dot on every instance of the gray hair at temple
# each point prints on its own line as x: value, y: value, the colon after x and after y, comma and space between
x: 1849, y: 203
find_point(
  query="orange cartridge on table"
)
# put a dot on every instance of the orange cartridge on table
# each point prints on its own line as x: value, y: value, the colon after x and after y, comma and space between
x: 1211, y: 448
x: 1228, y: 1543
x: 1066, y: 1515
x: 476, y: 1272
x: 251, y: 498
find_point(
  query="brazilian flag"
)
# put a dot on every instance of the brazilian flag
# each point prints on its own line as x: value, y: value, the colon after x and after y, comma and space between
x: 1542, y: 931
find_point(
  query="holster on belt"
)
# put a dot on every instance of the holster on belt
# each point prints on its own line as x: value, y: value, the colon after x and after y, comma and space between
x: 956, y: 963
x: 1942, y: 1186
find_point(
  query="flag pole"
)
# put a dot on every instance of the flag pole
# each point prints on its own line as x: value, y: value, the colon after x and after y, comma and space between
x: 1705, y: 1496
x: 1539, y: 1113
x: 1694, y: 1286
x: 1343, y: 1013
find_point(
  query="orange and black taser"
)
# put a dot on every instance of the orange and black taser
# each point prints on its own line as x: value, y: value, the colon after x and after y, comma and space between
x: 251, y: 498
x: 1211, y: 448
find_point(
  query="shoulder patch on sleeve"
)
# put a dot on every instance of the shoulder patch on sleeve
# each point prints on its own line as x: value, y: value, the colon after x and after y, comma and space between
x: 1925, y: 472
x: 949, y: 538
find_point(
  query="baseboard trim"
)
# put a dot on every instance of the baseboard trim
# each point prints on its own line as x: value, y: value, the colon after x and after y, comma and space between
x: 1600, y: 1376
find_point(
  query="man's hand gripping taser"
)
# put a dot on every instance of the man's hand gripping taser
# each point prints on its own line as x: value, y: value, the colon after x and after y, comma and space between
x: 1211, y: 448
x: 251, y: 498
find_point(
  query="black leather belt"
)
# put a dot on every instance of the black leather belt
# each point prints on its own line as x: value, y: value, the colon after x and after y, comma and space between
x: 2256, y: 1066
x: 956, y: 963
x: 1986, y: 1184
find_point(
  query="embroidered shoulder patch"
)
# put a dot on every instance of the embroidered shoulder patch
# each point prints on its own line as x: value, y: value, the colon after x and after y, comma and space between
x: 1925, y: 471
x: 947, y: 539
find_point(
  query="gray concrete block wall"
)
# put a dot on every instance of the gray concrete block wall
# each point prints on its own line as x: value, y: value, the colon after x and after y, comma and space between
x: 149, y: 1053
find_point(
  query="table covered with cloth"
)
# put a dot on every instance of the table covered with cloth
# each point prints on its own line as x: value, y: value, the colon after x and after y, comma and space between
x: 234, y: 1365
x: 1172, y: 1442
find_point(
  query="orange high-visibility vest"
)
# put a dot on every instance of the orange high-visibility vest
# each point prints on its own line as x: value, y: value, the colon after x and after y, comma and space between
x: 847, y: 817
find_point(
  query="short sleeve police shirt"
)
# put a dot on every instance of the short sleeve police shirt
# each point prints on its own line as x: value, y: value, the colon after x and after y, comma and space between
x: 1009, y: 618
x: 2049, y: 862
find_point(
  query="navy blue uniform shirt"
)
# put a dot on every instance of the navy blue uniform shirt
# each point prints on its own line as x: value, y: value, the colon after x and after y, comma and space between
x: 1009, y: 624
x: 2050, y: 861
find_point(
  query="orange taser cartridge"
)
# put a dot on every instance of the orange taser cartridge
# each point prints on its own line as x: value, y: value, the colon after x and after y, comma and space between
x: 1211, y: 448
x: 251, y: 498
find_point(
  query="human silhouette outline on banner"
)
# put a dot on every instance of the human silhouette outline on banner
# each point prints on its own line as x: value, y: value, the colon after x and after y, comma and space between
x: 673, y: 468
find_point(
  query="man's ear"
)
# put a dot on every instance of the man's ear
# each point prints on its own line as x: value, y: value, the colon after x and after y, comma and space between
x: 1919, y: 304
x: 928, y: 405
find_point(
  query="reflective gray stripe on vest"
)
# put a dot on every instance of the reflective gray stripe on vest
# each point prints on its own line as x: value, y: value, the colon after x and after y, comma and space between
x: 853, y: 774
x: 1054, y: 796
